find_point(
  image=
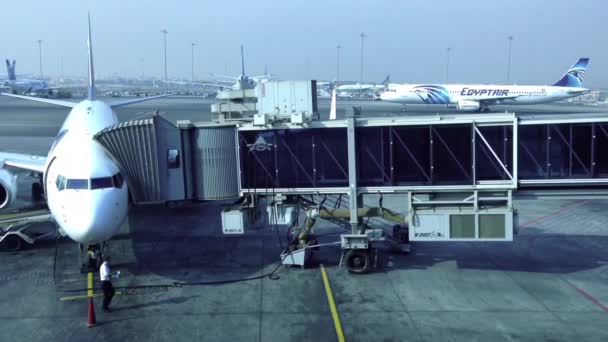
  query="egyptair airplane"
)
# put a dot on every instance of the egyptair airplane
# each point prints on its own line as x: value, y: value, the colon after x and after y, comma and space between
x: 478, y: 97
x: 85, y: 191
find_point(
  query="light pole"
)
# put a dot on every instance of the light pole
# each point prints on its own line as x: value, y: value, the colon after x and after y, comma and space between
x: 447, y: 66
x: 193, y: 44
x: 338, y: 65
x: 509, y: 60
x: 40, y: 55
x: 362, y: 35
x: 164, y: 32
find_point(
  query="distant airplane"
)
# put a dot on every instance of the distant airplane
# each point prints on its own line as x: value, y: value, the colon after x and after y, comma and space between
x: 23, y: 86
x: 243, y: 81
x: 240, y: 82
x: 478, y: 97
x: 364, y: 87
x: 85, y: 190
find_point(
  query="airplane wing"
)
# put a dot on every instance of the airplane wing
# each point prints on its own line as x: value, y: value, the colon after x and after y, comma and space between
x: 496, y: 100
x: 211, y: 84
x: 578, y: 92
x: 225, y: 77
x: 136, y: 100
x: 199, y: 84
x: 67, y: 86
x: 260, y: 77
x: 23, y: 161
x: 40, y: 99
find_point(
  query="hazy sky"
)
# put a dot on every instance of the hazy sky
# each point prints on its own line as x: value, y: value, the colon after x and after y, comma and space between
x: 297, y: 39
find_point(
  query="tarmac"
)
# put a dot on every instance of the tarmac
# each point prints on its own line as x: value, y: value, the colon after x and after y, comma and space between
x: 549, y: 284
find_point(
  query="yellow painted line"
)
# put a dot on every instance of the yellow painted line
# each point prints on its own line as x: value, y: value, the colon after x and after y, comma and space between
x: 90, y: 284
x: 332, y: 305
x: 77, y: 297
x: 73, y: 280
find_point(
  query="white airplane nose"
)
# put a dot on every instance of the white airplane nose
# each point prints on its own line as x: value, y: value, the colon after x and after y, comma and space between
x: 82, y: 226
x: 94, y: 216
x: 385, y: 96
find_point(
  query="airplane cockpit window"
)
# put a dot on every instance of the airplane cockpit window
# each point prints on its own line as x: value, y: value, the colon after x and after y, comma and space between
x: 101, y: 183
x: 60, y: 182
x: 118, y: 180
x: 115, y: 181
x: 77, y: 184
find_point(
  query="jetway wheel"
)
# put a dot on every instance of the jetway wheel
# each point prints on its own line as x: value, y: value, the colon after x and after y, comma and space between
x: 358, y: 261
x: 12, y: 243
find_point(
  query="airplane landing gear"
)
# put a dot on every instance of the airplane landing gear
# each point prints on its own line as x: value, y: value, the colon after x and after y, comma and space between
x: 91, y: 257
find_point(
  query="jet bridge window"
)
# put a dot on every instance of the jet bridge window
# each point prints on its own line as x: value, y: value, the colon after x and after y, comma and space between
x: 173, y: 159
x: 77, y: 184
x: 118, y: 180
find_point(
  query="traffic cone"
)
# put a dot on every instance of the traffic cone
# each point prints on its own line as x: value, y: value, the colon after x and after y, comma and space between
x: 91, y: 321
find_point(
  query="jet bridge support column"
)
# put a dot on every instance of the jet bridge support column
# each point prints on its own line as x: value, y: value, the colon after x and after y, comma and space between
x: 352, y: 175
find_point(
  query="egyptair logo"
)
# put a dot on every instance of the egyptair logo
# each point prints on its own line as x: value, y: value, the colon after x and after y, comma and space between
x: 578, y: 73
x: 432, y: 94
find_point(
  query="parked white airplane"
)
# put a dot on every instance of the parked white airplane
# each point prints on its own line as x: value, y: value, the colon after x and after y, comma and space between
x: 478, y: 97
x: 240, y: 82
x: 85, y: 191
x: 31, y: 86
x: 364, y: 87
x: 243, y: 81
x: 23, y: 86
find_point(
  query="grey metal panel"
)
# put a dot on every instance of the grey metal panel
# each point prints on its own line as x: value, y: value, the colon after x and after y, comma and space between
x: 171, y: 178
x: 187, y: 158
x: 215, y: 162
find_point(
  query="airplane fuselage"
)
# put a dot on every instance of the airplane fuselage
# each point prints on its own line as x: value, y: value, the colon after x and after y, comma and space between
x: 492, y: 94
x: 86, y: 193
x: 359, y: 87
x: 27, y: 86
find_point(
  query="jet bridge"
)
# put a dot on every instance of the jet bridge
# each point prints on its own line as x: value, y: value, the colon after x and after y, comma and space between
x: 436, y: 153
x: 457, y: 173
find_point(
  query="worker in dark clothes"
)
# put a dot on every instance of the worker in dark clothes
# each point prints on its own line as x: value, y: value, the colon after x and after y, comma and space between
x: 105, y: 274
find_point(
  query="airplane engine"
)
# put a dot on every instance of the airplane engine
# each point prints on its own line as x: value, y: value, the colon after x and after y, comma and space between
x: 8, y: 188
x: 467, y: 105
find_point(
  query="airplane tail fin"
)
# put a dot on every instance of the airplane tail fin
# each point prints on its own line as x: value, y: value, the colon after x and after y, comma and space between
x: 387, y: 79
x: 10, y: 70
x: 574, y: 76
x: 91, y: 92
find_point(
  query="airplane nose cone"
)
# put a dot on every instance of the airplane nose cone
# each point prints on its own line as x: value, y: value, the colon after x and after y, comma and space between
x: 94, y: 216
x: 385, y: 96
x: 83, y: 226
